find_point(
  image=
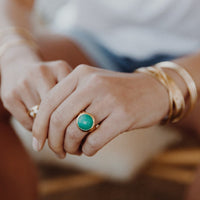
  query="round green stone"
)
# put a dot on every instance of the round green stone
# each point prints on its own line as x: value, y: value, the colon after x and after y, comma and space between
x: 85, y: 122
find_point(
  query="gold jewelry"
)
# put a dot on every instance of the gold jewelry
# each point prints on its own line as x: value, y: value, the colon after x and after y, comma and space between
x: 17, y: 30
x: 154, y: 73
x: 18, y: 42
x: 27, y: 39
x: 177, y: 96
x: 186, y: 77
x: 176, y: 99
x: 32, y: 112
x: 86, y: 122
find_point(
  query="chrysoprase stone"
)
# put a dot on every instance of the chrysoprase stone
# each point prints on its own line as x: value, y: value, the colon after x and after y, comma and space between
x: 85, y: 122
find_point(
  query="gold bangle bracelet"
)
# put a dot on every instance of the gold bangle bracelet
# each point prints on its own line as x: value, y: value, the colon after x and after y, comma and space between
x: 7, y: 46
x: 178, y: 102
x: 176, y: 99
x: 191, y: 86
x: 17, y: 30
x: 152, y: 72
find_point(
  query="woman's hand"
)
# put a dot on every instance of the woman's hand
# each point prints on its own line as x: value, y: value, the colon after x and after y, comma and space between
x: 25, y: 80
x: 118, y: 101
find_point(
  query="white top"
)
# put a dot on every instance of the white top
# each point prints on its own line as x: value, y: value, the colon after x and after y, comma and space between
x: 136, y: 28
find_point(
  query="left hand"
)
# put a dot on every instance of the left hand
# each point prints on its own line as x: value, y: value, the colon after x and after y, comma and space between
x: 119, y: 102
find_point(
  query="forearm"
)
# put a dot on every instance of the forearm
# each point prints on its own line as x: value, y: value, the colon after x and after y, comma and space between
x: 15, y: 13
x: 191, y: 64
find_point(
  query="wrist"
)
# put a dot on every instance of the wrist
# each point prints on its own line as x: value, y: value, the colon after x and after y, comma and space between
x: 15, y: 42
x: 176, y: 101
x: 158, y: 95
x: 190, y: 84
x: 19, y: 54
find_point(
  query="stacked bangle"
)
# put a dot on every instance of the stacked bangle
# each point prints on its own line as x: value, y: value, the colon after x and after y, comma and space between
x: 176, y: 98
x: 191, y: 86
x: 10, y: 44
x: 7, y: 43
x: 5, y: 33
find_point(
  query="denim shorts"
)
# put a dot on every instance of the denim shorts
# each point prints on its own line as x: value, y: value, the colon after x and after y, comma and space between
x: 106, y: 59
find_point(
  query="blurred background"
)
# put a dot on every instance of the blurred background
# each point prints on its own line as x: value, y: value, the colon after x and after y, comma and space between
x: 150, y: 170
x: 166, y: 176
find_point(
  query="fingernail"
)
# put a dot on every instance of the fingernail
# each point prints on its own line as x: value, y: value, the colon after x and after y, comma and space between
x: 35, y: 144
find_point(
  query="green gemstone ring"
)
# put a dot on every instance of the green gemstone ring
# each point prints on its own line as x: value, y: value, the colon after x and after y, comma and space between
x: 85, y: 122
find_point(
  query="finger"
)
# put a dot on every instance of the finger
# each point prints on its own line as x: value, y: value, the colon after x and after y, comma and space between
x: 63, y: 72
x: 62, y: 117
x: 45, y: 84
x: 54, y: 98
x: 101, y: 136
x: 60, y: 69
x: 20, y: 113
x: 74, y: 136
x: 29, y: 97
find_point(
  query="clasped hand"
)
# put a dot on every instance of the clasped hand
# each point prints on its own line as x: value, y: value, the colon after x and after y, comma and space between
x: 119, y: 102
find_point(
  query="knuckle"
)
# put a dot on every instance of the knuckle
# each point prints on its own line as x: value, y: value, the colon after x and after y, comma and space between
x: 113, y: 98
x: 26, y: 124
x: 96, y: 79
x: 56, y: 119
x: 62, y: 63
x: 41, y: 67
x: 23, y: 84
x: 123, y: 111
x: 71, y: 134
x: 70, y: 150
x: 83, y: 68
x: 54, y: 147
x: 41, y: 70
x: 88, y: 153
x: 48, y: 103
x: 92, y: 146
x: 9, y: 97
x: 63, y: 67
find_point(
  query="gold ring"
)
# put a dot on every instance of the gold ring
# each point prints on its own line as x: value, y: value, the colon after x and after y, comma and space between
x: 86, y: 122
x: 32, y: 112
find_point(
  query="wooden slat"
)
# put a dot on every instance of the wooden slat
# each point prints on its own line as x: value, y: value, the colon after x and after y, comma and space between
x: 56, y: 185
x: 179, y: 157
x: 182, y: 176
x: 164, y: 167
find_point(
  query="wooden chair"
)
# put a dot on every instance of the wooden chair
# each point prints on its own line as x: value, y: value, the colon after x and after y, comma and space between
x: 177, y: 165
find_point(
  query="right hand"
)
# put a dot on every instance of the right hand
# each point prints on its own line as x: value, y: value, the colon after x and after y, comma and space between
x: 25, y: 80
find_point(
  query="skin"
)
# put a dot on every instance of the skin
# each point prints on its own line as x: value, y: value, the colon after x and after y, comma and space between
x: 113, y: 108
x: 15, y: 156
x: 55, y: 48
x: 112, y: 97
x: 110, y: 106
